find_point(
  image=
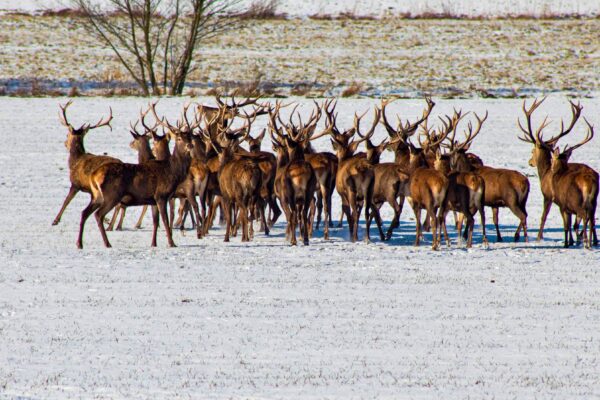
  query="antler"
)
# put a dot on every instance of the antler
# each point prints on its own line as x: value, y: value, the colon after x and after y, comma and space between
x: 369, y: 134
x: 530, y: 137
x: 470, y: 136
x: 101, y: 122
x: 409, y: 128
x: 576, y: 113
x: 589, y: 135
x: 63, y: 114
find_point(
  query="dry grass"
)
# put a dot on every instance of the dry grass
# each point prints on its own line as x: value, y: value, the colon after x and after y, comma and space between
x: 354, y: 89
x: 407, y: 56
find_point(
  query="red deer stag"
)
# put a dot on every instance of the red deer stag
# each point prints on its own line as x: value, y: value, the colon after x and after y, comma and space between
x: 575, y: 192
x: 81, y: 163
x: 355, y: 177
x: 541, y: 156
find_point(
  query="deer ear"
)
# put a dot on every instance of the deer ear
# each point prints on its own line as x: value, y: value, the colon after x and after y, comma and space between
x: 262, y: 135
x: 438, y: 154
x: 334, y: 144
x: 369, y: 144
x: 353, y: 146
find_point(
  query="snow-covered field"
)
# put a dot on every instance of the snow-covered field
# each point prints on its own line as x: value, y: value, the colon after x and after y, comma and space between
x: 297, y: 8
x: 264, y: 320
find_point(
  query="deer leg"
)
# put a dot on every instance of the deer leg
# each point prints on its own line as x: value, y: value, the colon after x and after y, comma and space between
x: 162, y: 209
x: 348, y: 212
x: 417, y: 211
x: 72, y: 192
x: 155, y: 219
x: 263, y: 217
x: 495, y: 219
x: 191, y: 200
x: 120, y: 224
x: 138, y: 225
x: 171, y: 211
x: 433, y: 218
x: 545, y: 211
x: 113, y: 220
x: 522, y: 215
x: 566, y: 226
x: 319, y: 206
x: 87, y: 211
x: 578, y: 233
x: 442, y: 214
x: 377, y: 215
x: 292, y: 223
x: 243, y: 220
x: 221, y: 217
x: 396, y: 220
x: 460, y: 218
x: 226, y: 209
x: 471, y: 226
x: 586, y: 239
x: 302, y: 210
x: 100, y: 214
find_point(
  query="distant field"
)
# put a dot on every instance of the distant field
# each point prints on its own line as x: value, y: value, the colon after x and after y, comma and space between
x: 451, y: 58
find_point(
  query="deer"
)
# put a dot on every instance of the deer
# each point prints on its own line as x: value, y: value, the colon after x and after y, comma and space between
x: 81, y: 164
x: 466, y: 190
x: 391, y: 185
x: 427, y: 190
x: 503, y: 187
x: 239, y: 178
x: 541, y: 156
x: 153, y: 183
x: 575, y: 191
x: 197, y: 177
x: 355, y: 176
x: 296, y: 181
x: 141, y: 144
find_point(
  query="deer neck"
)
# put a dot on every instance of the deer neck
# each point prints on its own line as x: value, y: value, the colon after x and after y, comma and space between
x: 179, y: 164
x: 145, y: 153
x: 543, y: 163
x: 282, y: 159
x: 76, y: 150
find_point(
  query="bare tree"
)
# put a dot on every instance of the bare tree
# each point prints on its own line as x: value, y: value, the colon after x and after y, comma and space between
x: 155, y: 40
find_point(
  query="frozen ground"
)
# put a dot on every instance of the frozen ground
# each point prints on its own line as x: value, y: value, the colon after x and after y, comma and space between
x: 263, y: 320
x: 383, y: 7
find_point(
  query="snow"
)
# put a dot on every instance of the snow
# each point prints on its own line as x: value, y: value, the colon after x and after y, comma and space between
x: 382, y: 7
x: 265, y: 320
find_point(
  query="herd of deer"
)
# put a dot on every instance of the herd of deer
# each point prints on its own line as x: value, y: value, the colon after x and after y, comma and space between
x: 208, y: 169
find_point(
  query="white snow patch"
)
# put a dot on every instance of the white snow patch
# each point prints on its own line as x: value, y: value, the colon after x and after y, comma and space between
x: 264, y: 320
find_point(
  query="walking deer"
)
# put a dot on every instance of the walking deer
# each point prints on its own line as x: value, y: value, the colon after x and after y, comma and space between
x: 81, y: 163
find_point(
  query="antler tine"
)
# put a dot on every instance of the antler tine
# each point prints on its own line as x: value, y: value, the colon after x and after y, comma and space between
x: 371, y: 131
x: 470, y: 136
x: 357, y: 120
x: 576, y: 113
x: 588, y: 136
x: 102, y: 122
x: 161, y: 121
x: 63, y: 114
x: 143, y: 120
x: 134, y: 128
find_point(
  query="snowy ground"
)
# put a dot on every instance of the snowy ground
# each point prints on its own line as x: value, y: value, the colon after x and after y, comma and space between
x: 263, y: 320
x: 384, y: 7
